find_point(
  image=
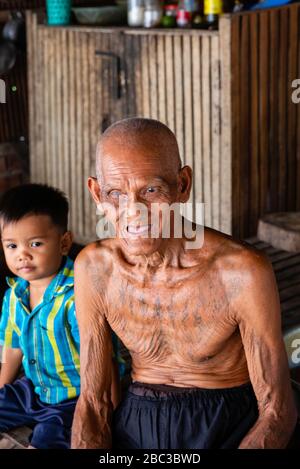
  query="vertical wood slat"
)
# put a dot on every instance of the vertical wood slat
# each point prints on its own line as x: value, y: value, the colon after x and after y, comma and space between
x: 188, y: 107
x: 215, y: 131
x: 72, y: 130
x: 282, y: 108
x: 178, y: 95
x: 197, y: 120
x: 170, y: 93
x: 291, y: 122
x: 32, y: 74
x: 274, y: 98
x: 297, y: 149
x: 226, y: 151
x: 244, y: 118
x: 263, y: 122
x: 145, y: 76
x: 206, y: 100
x: 254, y: 116
x: 161, y: 79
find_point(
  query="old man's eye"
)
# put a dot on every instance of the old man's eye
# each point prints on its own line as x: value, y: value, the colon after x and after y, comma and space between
x: 151, y: 189
x: 115, y: 194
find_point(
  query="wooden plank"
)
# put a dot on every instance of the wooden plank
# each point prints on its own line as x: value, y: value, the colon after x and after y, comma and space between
x: 235, y: 123
x: 52, y: 148
x: 293, y: 30
x: 274, y: 98
x: 227, y: 106
x: 263, y: 124
x: 290, y: 292
x: 286, y: 263
x: 295, y: 280
x: 152, y: 51
x: 215, y: 131
x: 288, y: 273
x: 282, y: 111
x: 47, y: 53
x: 297, y: 149
x: 31, y: 75
x: 254, y: 127
x: 66, y: 164
x: 178, y: 82
x: 87, y: 52
x: 59, y: 154
x: 170, y: 93
x: 291, y: 304
x: 138, y: 75
x: 79, y: 103
x: 188, y: 106
x: 145, y: 77
x: 206, y: 100
x: 197, y: 120
x: 72, y: 55
x: 245, y: 122
x: 161, y: 79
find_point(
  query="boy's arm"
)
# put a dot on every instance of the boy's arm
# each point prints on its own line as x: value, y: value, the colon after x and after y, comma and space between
x: 10, y: 365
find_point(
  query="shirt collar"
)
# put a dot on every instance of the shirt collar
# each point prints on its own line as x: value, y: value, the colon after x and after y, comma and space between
x: 63, y: 281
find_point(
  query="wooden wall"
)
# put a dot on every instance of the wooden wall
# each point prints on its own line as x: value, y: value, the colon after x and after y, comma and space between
x: 265, y: 122
x: 75, y: 94
x: 226, y: 94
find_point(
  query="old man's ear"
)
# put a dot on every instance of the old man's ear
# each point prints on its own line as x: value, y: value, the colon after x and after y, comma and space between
x: 185, y: 184
x: 94, y: 189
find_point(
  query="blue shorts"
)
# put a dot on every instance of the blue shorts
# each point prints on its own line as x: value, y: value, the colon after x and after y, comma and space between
x: 51, y: 423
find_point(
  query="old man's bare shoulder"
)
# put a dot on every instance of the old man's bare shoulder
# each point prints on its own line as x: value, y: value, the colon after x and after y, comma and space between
x: 94, y: 264
x: 235, y: 267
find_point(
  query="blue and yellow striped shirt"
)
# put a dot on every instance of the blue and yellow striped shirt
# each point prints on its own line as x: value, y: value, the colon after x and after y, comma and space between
x: 48, y: 335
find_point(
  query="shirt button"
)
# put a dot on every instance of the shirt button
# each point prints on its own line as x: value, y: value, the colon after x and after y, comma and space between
x: 45, y: 389
x: 32, y: 361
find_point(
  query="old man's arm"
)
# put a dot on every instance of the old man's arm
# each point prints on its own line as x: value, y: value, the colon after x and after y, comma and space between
x: 91, y: 425
x: 258, y: 313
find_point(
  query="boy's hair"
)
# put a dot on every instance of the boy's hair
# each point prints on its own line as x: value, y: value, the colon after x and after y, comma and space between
x: 35, y: 199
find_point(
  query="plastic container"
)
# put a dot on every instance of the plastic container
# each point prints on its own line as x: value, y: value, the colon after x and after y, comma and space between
x: 135, y: 13
x: 58, y: 12
x: 153, y: 13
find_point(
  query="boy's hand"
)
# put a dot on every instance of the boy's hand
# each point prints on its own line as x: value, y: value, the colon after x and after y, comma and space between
x: 10, y: 365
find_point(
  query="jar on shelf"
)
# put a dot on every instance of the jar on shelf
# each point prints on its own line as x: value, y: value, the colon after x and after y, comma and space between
x: 169, y: 18
x: 135, y: 13
x: 153, y: 13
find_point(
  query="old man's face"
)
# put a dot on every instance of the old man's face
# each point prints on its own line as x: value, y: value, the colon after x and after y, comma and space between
x: 136, y: 185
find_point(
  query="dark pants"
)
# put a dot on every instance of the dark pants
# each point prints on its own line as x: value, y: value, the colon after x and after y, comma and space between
x: 19, y: 405
x: 163, y: 417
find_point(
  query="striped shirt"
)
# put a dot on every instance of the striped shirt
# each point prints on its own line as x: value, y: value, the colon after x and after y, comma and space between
x: 48, y: 335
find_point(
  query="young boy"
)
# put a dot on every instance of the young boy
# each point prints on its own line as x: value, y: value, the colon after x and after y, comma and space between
x: 38, y: 326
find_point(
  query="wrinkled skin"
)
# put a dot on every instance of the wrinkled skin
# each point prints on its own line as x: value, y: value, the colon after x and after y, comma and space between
x: 207, y: 317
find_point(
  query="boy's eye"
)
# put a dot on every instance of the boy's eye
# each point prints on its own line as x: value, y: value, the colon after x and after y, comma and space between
x: 11, y: 246
x: 36, y: 244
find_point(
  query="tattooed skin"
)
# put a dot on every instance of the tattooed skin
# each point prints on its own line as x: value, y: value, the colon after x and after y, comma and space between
x: 207, y: 317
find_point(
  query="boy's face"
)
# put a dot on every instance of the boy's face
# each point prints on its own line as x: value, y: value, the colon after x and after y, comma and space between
x: 34, y: 247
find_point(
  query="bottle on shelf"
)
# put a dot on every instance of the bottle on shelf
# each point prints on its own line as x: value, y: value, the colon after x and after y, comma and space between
x: 169, y: 17
x: 135, y: 13
x: 212, y: 11
x: 153, y: 13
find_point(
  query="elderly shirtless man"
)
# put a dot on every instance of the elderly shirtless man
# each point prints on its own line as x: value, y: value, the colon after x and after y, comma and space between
x: 209, y: 368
